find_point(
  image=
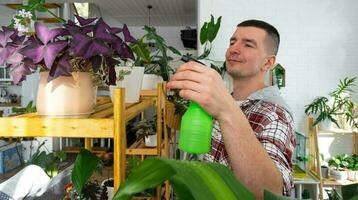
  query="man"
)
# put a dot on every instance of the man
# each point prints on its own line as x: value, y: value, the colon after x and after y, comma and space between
x: 253, y: 122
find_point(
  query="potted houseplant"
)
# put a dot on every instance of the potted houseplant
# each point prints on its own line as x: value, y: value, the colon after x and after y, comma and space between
x: 146, y: 129
x: 129, y: 77
x: 67, y: 58
x: 208, y: 33
x: 338, y: 166
x: 155, y: 58
x: 341, y: 106
x: 132, y: 162
x: 353, y: 168
x: 48, y: 161
x: 80, y: 187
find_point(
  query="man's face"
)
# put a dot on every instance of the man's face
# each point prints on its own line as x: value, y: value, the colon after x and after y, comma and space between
x: 246, y: 54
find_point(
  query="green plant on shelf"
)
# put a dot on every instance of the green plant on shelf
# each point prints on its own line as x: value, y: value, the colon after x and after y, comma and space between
x: 339, y: 162
x: 49, y: 162
x: 30, y: 108
x: 343, y: 105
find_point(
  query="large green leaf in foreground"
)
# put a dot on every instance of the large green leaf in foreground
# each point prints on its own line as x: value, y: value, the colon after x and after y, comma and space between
x: 190, y: 180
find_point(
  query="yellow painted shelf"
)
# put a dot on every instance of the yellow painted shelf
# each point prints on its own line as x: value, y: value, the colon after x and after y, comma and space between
x: 107, y: 121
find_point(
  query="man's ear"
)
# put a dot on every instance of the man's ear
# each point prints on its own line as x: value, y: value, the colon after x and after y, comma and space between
x: 269, y: 63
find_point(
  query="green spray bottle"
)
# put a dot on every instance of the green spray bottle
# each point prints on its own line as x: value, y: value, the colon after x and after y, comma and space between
x: 195, y: 130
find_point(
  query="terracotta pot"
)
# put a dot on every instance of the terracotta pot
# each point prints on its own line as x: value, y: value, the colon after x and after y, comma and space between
x: 66, y: 97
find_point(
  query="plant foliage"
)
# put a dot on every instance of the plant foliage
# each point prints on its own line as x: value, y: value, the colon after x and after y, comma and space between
x: 190, y: 180
x: 342, y: 106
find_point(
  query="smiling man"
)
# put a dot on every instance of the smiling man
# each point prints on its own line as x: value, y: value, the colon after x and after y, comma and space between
x: 253, y: 132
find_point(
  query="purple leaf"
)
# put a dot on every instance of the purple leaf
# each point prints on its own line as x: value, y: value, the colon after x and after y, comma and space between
x: 112, y: 30
x: 20, y: 70
x: 15, y: 32
x: 5, y: 37
x: 96, y: 63
x: 118, y: 45
x: 127, y: 35
x: 100, y: 31
x: 88, y: 47
x: 96, y: 48
x: 62, y: 68
x: 47, y: 52
x: 5, y: 53
x: 51, y: 51
x: 83, y: 21
x: 33, y: 51
x: 45, y: 34
x: 127, y: 52
x: 73, y: 28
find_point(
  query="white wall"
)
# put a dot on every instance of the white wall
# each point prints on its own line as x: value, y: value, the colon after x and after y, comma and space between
x: 319, y: 42
x: 6, y: 15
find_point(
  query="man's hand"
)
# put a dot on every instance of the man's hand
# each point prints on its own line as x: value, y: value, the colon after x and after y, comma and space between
x: 204, y: 86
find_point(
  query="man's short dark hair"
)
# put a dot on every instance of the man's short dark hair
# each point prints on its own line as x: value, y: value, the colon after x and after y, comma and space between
x: 273, y: 39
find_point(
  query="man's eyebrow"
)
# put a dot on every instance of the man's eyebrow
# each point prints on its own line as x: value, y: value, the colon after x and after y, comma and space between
x: 249, y: 41
x: 233, y: 39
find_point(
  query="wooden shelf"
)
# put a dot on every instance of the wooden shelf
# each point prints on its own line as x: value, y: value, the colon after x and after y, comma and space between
x: 139, y: 148
x: 107, y: 121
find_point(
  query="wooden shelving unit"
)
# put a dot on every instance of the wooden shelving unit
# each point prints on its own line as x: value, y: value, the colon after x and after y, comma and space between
x: 108, y: 121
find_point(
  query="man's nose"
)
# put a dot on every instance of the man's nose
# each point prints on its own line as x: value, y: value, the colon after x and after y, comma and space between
x: 234, y: 49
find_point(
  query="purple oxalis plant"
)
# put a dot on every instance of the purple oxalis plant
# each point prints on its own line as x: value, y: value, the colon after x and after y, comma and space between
x: 89, y: 46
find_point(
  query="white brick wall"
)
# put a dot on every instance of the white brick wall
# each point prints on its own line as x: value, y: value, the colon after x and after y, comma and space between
x: 319, y: 42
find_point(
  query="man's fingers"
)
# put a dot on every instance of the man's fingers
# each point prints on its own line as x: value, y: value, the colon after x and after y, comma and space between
x: 188, y: 75
x: 190, y: 94
x: 192, y: 66
x: 185, y: 85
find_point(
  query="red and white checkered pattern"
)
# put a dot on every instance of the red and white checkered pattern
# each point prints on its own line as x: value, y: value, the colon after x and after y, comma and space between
x: 273, y: 126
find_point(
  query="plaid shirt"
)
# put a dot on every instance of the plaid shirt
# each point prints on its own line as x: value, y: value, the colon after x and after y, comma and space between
x: 4, y: 196
x: 273, y: 126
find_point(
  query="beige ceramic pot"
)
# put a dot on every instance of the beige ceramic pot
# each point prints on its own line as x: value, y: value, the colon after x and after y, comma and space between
x: 66, y: 97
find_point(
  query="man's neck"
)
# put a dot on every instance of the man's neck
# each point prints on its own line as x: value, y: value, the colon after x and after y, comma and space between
x: 245, y: 87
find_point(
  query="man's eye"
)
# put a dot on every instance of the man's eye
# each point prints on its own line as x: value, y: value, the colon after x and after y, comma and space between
x: 248, y: 45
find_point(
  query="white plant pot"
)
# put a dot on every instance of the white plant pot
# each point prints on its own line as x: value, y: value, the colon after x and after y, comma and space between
x: 151, y: 140
x: 131, y: 82
x: 338, y: 175
x: 110, y: 190
x: 327, y: 125
x: 352, y: 175
x: 150, y: 81
x: 70, y: 97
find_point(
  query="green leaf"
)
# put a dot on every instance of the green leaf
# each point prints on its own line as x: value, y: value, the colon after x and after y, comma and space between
x: 211, y: 29
x: 235, y: 185
x: 149, y: 174
x: 204, y: 33
x: 85, y: 164
x: 190, y: 180
x: 141, y: 49
x: 216, y: 28
x: 32, y: 2
x: 272, y: 196
x: 41, y: 8
x: 174, y: 50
